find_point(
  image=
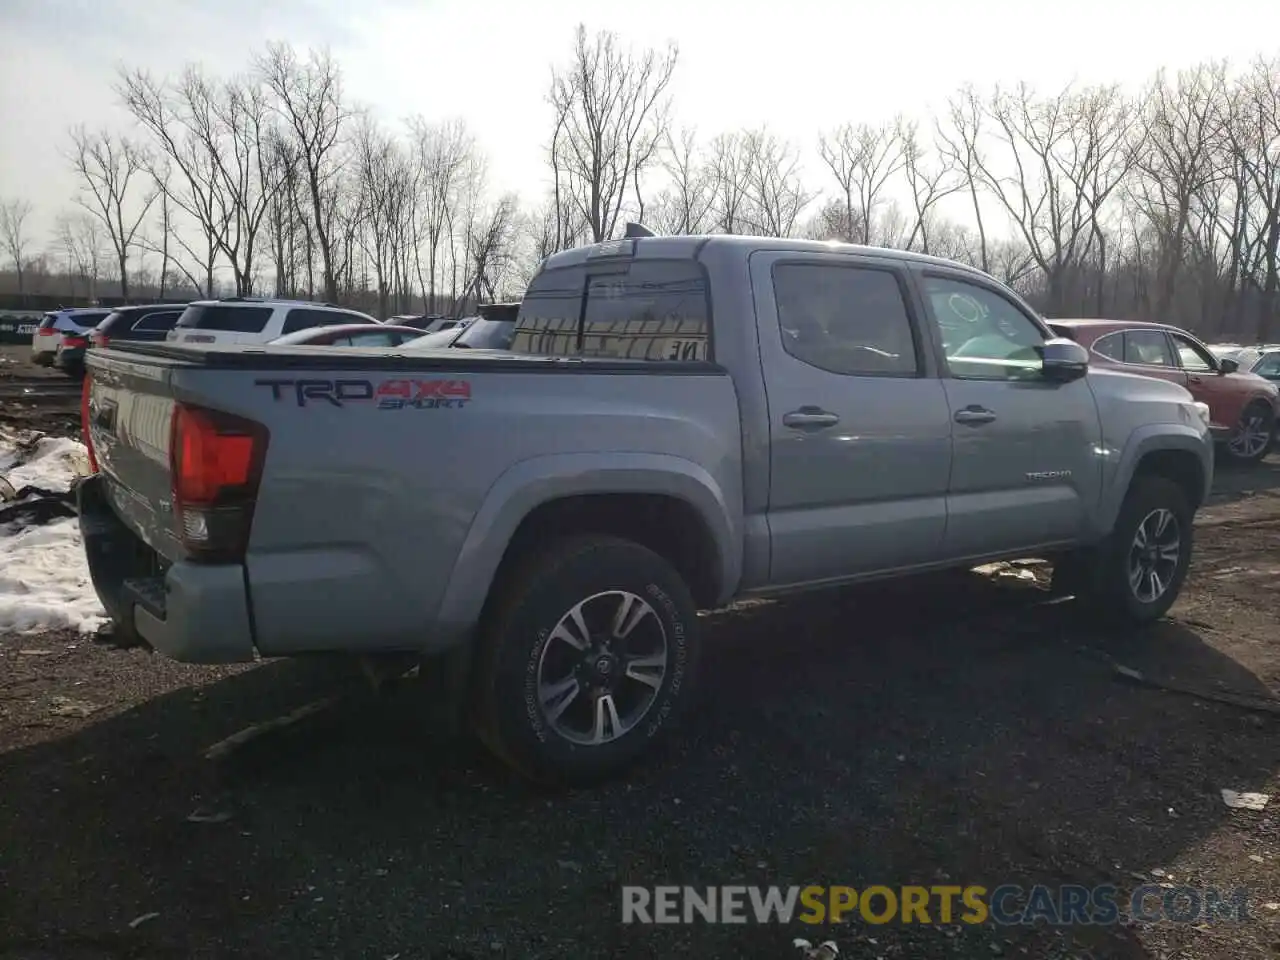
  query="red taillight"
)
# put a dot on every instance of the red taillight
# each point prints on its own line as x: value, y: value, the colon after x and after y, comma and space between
x: 84, y: 422
x: 71, y: 340
x: 99, y: 339
x: 216, y: 463
x: 46, y: 332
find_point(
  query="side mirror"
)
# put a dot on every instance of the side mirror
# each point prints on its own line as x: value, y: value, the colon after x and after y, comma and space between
x: 1227, y: 365
x: 1063, y: 360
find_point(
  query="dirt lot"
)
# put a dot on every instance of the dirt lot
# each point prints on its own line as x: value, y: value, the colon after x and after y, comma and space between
x: 955, y: 730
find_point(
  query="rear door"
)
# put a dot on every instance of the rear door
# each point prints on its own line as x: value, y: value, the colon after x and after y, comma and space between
x: 859, y: 429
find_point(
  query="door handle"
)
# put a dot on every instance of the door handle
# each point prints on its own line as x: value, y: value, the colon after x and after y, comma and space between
x: 974, y: 415
x: 813, y: 417
x: 1194, y: 379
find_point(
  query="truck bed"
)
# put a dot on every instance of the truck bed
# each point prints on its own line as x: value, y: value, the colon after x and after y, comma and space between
x: 392, y: 482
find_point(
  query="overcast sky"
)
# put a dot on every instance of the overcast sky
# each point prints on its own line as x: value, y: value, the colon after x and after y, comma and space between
x: 798, y: 66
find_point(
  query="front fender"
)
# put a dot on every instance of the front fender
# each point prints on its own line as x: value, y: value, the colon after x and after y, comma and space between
x: 1149, y: 439
x: 530, y: 483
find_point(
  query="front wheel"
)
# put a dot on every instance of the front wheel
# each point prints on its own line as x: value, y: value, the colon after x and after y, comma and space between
x: 586, y: 661
x: 1137, y: 573
x: 1252, y: 437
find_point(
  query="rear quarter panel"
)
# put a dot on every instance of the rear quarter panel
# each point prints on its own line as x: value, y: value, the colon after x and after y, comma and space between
x: 364, y: 509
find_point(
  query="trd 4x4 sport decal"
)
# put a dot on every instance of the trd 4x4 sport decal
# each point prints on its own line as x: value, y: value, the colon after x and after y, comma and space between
x: 394, y: 394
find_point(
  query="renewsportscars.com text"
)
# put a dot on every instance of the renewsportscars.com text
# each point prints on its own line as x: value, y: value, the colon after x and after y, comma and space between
x: 1005, y: 905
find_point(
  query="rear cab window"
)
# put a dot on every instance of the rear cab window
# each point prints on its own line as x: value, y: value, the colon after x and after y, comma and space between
x: 625, y: 310
x: 225, y: 318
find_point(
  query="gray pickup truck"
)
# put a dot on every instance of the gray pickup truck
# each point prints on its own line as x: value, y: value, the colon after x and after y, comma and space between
x: 679, y: 422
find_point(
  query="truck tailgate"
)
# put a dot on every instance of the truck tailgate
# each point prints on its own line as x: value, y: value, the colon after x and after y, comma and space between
x: 129, y: 413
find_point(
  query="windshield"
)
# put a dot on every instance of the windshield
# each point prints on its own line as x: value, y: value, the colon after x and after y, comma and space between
x: 487, y: 335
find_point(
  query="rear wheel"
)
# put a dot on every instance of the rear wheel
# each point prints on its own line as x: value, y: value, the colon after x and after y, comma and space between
x: 586, y: 661
x: 1253, y: 436
x: 1136, y: 574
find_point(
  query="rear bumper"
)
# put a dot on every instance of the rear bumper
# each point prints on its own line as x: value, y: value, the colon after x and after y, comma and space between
x: 189, y: 612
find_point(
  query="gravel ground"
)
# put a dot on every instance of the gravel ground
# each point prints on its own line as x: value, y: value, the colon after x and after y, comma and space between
x: 950, y: 730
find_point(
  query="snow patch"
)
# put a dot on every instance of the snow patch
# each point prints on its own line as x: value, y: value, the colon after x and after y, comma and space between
x: 44, y: 578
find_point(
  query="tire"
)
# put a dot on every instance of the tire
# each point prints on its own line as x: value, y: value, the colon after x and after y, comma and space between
x: 1101, y: 577
x: 523, y: 654
x: 1257, y: 421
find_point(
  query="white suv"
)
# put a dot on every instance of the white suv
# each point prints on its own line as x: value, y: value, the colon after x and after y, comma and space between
x: 249, y: 320
x: 58, y: 324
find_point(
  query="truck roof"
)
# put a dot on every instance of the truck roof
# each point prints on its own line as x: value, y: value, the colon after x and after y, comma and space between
x: 691, y: 246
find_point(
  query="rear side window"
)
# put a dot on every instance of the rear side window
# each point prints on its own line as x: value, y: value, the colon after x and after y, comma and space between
x: 157, y: 321
x: 645, y: 310
x: 1147, y: 347
x: 304, y: 319
x: 845, y: 319
x: 1111, y: 346
x: 223, y: 317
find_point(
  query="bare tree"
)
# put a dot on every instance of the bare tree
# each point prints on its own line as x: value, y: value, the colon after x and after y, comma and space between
x: 13, y: 234
x: 441, y: 152
x: 81, y: 236
x: 687, y: 203
x: 1176, y: 163
x: 777, y: 192
x: 862, y: 159
x: 108, y: 166
x: 929, y: 182
x: 610, y: 119
x: 309, y: 100
x: 1047, y: 152
x: 732, y: 158
x: 959, y: 139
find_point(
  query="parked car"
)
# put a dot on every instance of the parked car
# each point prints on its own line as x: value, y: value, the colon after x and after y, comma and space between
x: 351, y: 335
x: 491, y: 330
x: 1267, y: 365
x: 1242, y: 406
x: 679, y: 422
x: 1245, y: 357
x: 478, y: 333
x: 144, y: 323
x: 427, y: 323
x: 251, y: 320
x: 58, y: 324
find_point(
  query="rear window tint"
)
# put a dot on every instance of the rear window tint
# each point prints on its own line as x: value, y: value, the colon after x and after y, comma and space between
x: 226, y: 318
x: 48, y: 320
x: 645, y: 310
x: 161, y: 320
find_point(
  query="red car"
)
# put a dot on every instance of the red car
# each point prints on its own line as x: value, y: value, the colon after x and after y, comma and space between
x: 1242, y: 406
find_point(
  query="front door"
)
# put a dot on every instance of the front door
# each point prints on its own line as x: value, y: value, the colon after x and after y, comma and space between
x: 1225, y: 399
x: 859, y: 431
x: 1026, y: 468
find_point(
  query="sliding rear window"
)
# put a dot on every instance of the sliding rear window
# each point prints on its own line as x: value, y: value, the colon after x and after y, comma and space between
x: 225, y: 318
x: 634, y: 310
